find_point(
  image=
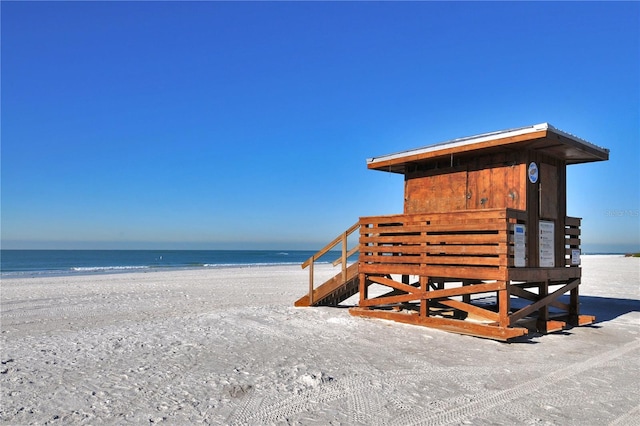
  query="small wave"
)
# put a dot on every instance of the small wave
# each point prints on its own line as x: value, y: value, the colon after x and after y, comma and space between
x: 106, y: 268
x: 250, y: 265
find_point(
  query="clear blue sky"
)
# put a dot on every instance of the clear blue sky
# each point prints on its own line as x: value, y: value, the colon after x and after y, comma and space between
x: 248, y: 125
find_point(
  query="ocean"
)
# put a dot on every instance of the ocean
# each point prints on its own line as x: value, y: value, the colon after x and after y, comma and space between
x: 21, y: 263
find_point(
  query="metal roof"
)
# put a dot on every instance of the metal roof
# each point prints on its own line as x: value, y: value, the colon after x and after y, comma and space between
x: 540, y: 137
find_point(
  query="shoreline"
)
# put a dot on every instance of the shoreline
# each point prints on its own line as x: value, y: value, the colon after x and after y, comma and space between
x: 227, y: 346
x: 25, y: 263
x: 105, y: 270
x: 133, y: 270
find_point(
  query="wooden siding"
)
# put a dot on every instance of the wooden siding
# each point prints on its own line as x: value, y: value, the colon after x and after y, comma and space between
x: 475, y: 187
x: 548, y: 191
x: 440, y: 193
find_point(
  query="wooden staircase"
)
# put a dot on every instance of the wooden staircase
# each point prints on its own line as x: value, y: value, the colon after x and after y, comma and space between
x: 335, y: 290
x: 343, y: 285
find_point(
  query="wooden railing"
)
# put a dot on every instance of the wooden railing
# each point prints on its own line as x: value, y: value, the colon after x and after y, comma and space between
x: 471, y: 244
x: 460, y: 244
x: 572, y: 240
x: 346, y: 253
x: 476, y: 244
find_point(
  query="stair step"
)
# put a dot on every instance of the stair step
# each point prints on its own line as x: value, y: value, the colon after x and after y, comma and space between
x: 335, y: 290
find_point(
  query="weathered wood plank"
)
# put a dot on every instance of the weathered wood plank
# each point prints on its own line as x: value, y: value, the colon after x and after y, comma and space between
x: 438, y: 193
x: 383, y: 269
x: 572, y: 221
x: 453, y: 225
x: 435, y: 218
x: 524, y: 294
x: 548, y: 191
x: 391, y: 283
x: 451, y: 272
x: 436, y: 260
x: 433, y: 249
x: 572, y: 231
x: 520, y: 215
x: 465, y: 249
x: 586, y: 319
x: 494, y: 238
x: 391, y: 300
x: 392, y: 259
x: 551, y: 326
x: 471, y: 309
x: 366, y: 240
x: 521, y: 313
x: 435, y: 294
x: 445, y: 324
x: 399, y: 249
x: 541, y: 274
x: 572, y: 242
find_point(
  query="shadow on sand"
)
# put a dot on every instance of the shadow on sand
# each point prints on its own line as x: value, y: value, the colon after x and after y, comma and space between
x: 603, y: 308
x: 607, y: 308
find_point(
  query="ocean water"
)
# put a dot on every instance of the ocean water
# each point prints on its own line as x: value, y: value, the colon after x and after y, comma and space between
x: 19, y: 263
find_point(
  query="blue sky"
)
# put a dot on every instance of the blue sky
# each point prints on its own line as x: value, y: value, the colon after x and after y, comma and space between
x: 247, y: 125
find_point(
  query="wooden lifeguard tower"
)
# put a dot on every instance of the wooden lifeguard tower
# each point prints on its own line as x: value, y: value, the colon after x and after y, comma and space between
x: 484, y: 246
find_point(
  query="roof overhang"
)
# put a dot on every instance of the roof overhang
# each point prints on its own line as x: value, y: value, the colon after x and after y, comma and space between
x: 540, y: 137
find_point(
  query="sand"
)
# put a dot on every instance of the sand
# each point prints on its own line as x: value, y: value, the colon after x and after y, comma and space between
x: 226, y: 346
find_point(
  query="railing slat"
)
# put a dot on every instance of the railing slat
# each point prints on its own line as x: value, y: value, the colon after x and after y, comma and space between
x: 329, y: 246
x: 342, y: 238
x: 434, y: 244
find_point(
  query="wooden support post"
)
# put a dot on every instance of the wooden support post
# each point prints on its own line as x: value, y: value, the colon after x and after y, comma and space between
x: 311, y: 283
x: 363, y: 288
x: 521, y: 313
x: 543, y: 312
x: 466, y: 298
x: 424, y: 303
x: 575, y: 318
x: 574, y: 306
x: 504, y: 299
x: 344, y: 257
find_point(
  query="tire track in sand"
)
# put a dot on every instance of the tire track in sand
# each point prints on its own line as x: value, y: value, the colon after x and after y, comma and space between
x: 361, y: 394
x: 358, y: 394
x: 632, y: 418
x: 501, y: 398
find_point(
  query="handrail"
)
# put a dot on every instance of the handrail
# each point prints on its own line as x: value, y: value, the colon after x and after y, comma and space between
x: 331, y: 245
x: 350, y: 253
x: 342, y: 238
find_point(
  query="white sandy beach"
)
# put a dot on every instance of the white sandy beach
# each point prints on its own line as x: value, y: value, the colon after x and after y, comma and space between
x: 226, y: 346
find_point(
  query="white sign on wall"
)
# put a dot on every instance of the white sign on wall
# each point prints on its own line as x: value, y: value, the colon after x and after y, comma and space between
x: 519, y: 232
x: 546, y: 233
x: 575, y: 256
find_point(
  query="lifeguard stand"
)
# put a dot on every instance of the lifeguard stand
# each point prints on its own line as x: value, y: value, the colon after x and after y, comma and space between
x: 484, y: 246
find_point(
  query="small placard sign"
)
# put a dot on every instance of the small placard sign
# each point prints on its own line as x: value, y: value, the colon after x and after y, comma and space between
x: 546, y: 234
x: 575, y: 256
x: 519, y: 232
